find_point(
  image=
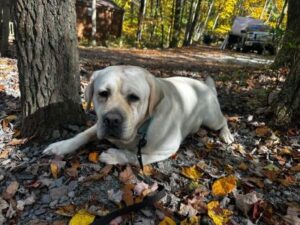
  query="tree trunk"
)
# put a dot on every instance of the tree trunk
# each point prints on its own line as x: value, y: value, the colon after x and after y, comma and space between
x: 94, y: 22
x: 282, y: 14
x: 4, y: 34
x: 48, y: 65
x: 264, y: 9
x: 203, y: 28
x: 291, y: 39
x: 287, y: 105
x: 189, y: 24
x: 141, y: 17
x: 194, y: 23
x: 176, y: 25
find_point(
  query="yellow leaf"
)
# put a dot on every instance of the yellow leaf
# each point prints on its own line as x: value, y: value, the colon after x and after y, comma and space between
x: 148, y: 170
x: 191, y: 172
x: 94, y: 157
x: 210, y: 145
x: 218, y: 215
x: 167, y: 221
x: 194, y: 220
x: 54, y: 170
x: 82, y: 217
x: 224, y: 186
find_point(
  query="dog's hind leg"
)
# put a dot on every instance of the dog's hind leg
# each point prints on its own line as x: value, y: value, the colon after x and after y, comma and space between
x: 72, y: 144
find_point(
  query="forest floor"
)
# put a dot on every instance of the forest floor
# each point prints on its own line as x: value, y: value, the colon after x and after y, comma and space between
x: 255, y: 180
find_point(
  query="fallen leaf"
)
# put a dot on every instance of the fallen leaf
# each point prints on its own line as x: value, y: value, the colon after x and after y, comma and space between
x: 287, y: 181
x: 72, y: 172
x: 82, y: 217
x: 263, y: 131
x: 127, y: 175
x: 11, y: 118
x: 217, y: 214
x: 245, y: 202
x: 224, y: 186
x: 11, y: 190
x: 128, y: 194
x: 210, y: 145
x: 194, y: 220
x: 98, y: 176
x: 94, y: 157
x: 115, y: 196
x: 3, y: 205
x: 54, y: 170
x: 167, y: 221
x: 116, y: 221
x: 148, y: 170
x: 271, y: 167
x: 187, y: 210
x: 243, y: 166
x: 257, y: 181
x: 66, y: 210
x: 4, y: 154
x: 191, y: 172
x: 15, y: 141
x: 296, y: 168
x: 292, y: 216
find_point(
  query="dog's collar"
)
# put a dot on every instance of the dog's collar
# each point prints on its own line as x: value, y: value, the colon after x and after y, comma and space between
x: 142, y: 132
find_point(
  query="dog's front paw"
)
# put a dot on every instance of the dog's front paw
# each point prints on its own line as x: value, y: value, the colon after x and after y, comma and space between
x: 226, y: 136
x: 113, y: 156
x: 60, y: 148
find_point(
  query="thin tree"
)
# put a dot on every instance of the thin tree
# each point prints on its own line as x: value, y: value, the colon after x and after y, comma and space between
x: 291, y: 39
x: 176, y: 25
x: 202, y: 28
x: 141, y: 17
x: 48, y: 65
x: 196, y: 17
x: 94, y: 22
x: 5, y: 6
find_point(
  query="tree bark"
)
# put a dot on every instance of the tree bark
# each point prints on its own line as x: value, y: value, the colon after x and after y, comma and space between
x: 203, y: 28
x: 280, y: 19
x: 141, y: 17
x: 48, y: 65
x: 176, y: 25
x: 287, y: 105
x: 4, y: 34
x: 188, y: 27
x: 94, y: 22
x: 291, y: 39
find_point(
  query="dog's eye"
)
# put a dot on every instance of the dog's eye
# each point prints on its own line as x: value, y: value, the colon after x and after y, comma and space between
x: 103, y: 94
x: 133, y: 98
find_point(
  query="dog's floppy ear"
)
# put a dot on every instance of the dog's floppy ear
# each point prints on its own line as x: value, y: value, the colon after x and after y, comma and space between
x: 89, y: 91
x: 156, y: 93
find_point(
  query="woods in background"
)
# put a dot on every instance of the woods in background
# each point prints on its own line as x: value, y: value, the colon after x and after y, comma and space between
x: 164, y: 23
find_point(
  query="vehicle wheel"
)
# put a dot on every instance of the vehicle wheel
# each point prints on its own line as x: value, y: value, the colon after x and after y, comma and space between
x: 245, y: 49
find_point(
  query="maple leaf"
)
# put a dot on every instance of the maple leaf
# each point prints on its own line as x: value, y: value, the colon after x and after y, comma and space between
x: 224, y: 186
x: 191, y: 172
x: 263, y: 131
x: 66, y: 210
x: 245, y: 202
x: 218, y: 215
x: 128, y: 194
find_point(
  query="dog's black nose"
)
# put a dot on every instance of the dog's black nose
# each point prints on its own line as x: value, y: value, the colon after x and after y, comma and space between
x: 112, y: 119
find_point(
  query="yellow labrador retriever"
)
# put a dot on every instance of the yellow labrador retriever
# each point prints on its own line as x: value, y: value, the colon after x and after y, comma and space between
x: 126, y: 98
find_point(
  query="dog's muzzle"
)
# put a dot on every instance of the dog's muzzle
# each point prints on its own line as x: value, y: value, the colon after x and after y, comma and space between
x: 112, y: 124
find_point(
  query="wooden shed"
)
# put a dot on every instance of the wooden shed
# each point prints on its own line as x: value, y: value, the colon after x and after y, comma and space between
x: 109, y: 19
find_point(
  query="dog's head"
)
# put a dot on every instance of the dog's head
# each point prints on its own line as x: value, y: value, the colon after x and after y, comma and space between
x: 123, y: 97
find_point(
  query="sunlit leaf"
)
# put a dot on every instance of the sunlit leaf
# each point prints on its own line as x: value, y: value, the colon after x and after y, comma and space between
x: 217, y: 214
x: 191, y: 172
x: 94, y: 157
x: 167, y: 221
x: 194, y: 220
x: 224, y: 186
x: 82, y: 217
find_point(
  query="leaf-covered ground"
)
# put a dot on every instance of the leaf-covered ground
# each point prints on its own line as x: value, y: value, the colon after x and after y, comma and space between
x: 253, y: 181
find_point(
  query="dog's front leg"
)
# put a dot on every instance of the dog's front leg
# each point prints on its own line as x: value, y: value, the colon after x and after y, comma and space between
x: 72, y: 144
x: 116, y: 156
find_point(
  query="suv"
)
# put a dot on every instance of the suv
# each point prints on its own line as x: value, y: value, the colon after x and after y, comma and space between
x: 250, y: 34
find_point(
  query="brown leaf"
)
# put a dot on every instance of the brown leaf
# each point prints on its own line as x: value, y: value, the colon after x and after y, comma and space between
x: 66, y: 210
x: 287, y: 181
x: 127, y: 175
x: 72, y: 172
x: 148, y: 170
x: 128, y: 194
x: 15, y: 141
x: 98, y: 176
x: 296, y: 168
x: 11, y: 190
x: 263, y: 131
x: 257, y: 181
x: 224, y: 186
x: 4, y: 154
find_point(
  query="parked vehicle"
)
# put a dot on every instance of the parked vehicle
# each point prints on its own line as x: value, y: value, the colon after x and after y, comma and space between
x: 249, y: 34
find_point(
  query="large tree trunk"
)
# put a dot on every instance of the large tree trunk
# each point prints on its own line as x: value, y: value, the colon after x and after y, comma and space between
x: 176, y: 25
x: 5, y: 6
x: 287, y: 104
x: 48, y: 65
x: 291, y: 40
